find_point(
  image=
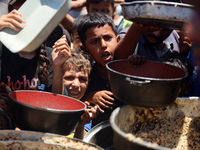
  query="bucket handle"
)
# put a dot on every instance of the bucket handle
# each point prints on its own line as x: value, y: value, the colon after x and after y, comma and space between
x: 8, y: 119
x: 137, y: 82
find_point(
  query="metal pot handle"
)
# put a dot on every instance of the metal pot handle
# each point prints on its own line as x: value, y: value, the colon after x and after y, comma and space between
x: 7, y: 118
x: 137, y: 82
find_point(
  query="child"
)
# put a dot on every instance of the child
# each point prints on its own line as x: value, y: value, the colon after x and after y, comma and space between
x: 76, y: 42
x: 76, y: 72
x: 108, y: 7
x: 98, y: 35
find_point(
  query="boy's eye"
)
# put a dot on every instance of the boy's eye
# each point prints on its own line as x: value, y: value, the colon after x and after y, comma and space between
x: 107, y: 38
x: 94, y: 41
x: 83, y: 79
x: 106, y: 11
x: 70, y: 78
x: 94, y: 10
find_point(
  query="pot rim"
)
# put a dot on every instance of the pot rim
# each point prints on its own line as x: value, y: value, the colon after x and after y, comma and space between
x: 96, y: 129
x: 51, y: 110
x: 145, y: 78
x: 123, y: 134
x: 175, y: 4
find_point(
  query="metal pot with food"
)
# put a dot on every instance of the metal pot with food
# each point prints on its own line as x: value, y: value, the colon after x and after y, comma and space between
x: 15, y: 139
x: 175, y: 126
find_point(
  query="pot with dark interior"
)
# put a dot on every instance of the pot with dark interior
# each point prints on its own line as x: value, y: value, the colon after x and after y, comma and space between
x: 46, y: 112
x: 101, y: 135
x: 153, y: 84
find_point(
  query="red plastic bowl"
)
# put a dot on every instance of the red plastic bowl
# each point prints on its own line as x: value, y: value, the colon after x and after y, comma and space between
x: 46, y: 112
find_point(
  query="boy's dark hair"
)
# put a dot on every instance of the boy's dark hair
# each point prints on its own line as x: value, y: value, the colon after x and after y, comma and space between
x: 76, y: 23
x: 91, y: 20
x: 98, y: 1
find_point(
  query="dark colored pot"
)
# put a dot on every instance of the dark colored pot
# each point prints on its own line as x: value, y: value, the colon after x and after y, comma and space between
x: 46, y: 112
x: 101, y: 135
x: 153, y: 84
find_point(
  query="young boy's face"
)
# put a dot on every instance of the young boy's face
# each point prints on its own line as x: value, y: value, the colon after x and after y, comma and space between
x: 102, y: 7
x: 100, y: 42
x: 77, y: 44
x: 75, y: 81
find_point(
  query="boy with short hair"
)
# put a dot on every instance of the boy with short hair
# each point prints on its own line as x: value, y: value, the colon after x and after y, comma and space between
x: 98, y: 36
x: 108, y: 7
x: 76, y: 72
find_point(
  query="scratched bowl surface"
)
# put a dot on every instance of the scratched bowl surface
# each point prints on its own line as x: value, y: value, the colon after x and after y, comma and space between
x: 158, y: 13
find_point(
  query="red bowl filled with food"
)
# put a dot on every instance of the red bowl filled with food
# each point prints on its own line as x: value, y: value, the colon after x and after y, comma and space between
x: 45, y: 112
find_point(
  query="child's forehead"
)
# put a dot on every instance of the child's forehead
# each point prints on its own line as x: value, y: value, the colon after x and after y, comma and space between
x: 99, y: 30
x: 73, y: 69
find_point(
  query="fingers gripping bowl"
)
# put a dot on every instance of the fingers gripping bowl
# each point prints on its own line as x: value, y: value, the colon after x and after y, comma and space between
x: 45, y: 112
x: 153, y: 84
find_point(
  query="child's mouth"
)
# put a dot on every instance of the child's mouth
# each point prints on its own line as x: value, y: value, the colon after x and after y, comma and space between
x: 106, y: 56
x: 74, y: 93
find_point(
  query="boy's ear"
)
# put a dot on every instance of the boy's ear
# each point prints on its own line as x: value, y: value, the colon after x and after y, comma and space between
x: 82, y: 48
x: 71, y: 37
x: 118, y: 38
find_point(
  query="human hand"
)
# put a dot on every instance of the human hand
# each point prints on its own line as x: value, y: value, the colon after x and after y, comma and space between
x: 185, y: 44
x: 137, y: 60
x: 61, y: 51
x: 89, y: 113
x: 12, y: 20
x: 103, y: 99
x: 78, y: 4
x: 5, y: 104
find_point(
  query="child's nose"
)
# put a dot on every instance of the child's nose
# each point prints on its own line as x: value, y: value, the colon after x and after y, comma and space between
x: 103, y: 43
x: 76, y: 83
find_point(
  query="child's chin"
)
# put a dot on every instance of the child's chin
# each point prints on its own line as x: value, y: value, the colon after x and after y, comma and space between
x: 74, y: 96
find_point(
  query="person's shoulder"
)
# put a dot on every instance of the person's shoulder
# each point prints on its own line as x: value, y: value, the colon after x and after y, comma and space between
x: 127, y: 23
x: 123, y: 32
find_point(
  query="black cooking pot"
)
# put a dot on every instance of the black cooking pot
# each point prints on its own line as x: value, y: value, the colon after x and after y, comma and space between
x: 45, y: 111
x: 153, y: 84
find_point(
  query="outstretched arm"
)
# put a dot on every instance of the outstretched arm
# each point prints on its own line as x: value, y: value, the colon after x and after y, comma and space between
x: 61, y: 53
x: 85, y: 118
x: 127, y: 45
x: 67, y: 22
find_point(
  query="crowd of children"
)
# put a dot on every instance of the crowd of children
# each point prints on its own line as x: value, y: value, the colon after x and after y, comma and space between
x: 80, y: 70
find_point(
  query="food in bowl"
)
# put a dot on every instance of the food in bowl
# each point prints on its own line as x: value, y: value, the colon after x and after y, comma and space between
x: 180, y: 132
x: 175, y: 126
x: 15, y: 136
